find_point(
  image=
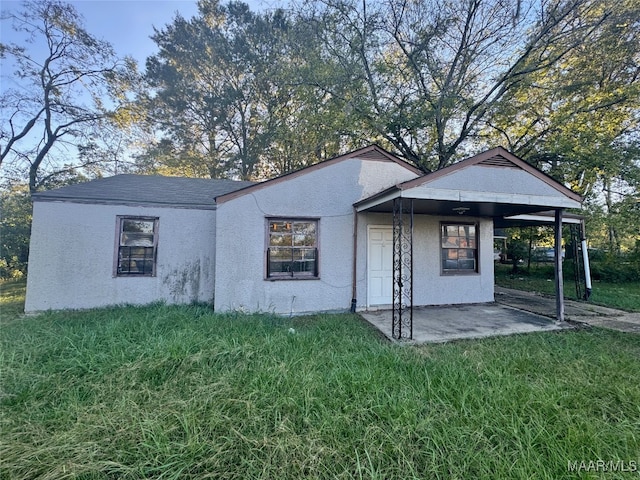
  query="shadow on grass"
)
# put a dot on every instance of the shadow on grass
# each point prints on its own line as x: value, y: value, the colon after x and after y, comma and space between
x: 12, y: 294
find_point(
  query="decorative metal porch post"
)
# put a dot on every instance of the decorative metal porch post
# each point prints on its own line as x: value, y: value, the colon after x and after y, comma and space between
x: 402, y: 315
x: 557, y: 233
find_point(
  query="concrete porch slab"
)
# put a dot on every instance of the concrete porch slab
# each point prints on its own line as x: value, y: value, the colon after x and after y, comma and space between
x: 437, y: 324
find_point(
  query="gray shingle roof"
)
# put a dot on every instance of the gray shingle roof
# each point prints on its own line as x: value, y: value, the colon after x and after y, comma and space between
x: 145, y: 190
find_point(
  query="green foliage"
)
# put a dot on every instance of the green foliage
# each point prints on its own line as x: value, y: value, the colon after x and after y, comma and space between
x: 620, y: 268
x: 15, y: 229
x: 577, y: 119
x: 516, y: 251
x: 613, y: 226
x: 520, y: 244
x: 429, y: 78
x: 180, y: 392
x: 228, y: 97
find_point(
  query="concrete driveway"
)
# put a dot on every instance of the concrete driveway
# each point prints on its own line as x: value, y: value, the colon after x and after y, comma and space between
x: 454, y: 322
x: 580, y: 312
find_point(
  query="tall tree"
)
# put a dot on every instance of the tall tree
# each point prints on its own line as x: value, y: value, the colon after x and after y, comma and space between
x: 67, y: 83
x: 426, y: 74
x: 579, y: 120
x: 212, y: 99
x: 227, y: 96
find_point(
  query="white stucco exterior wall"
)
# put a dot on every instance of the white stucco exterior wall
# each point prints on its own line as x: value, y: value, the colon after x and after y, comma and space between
x: 430, y: 286
x: 72, y: 254
x: 326, y: 194
x: 494, y: 179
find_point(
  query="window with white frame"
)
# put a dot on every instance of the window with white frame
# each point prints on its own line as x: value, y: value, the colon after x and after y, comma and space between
x: 459, y: 247
x: 292, y: 248
x: 136, y: 246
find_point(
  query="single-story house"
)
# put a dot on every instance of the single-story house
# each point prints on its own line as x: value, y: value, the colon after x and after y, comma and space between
x: 365, y: 230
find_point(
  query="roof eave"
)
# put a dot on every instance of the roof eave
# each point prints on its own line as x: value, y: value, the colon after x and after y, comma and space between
x: 378, y: 199
x: 131, y: 203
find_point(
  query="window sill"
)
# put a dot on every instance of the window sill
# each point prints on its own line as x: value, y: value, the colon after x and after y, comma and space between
x: 295, y: 279
x: 132, y: 275
x: 459, y: 274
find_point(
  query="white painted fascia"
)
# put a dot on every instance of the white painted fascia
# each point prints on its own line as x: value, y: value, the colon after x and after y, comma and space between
x: 543, y: 218
x: 489, y: 197
x: 374, y: 202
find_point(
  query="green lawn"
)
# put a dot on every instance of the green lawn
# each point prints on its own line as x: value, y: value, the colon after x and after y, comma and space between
x: 625, y: 296
x: 179, y: 392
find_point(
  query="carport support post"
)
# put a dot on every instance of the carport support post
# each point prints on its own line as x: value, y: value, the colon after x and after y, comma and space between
x: 402, y: 308
x: 557, y: 229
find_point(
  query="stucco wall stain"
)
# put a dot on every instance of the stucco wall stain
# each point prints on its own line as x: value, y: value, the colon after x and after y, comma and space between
x: 184, y: 282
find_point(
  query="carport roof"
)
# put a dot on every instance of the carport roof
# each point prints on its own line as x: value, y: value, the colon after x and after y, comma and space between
x: 494, y: 184
x: 538, y: 218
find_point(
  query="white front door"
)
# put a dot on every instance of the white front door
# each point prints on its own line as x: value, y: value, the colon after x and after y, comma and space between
x: 380, y: 266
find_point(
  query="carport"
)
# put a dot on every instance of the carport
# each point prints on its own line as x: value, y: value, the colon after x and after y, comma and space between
x: 494, y: 185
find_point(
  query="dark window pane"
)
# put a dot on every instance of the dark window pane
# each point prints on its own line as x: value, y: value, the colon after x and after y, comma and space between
x: 307, y: 267
x: 279, y: 260
x: 136, y: 260
x: 139, y: 226
x: 279, y: 268
x: 132, y: 239
x: 459, y: 247
x: 467, y: 264
x: 449, y: 264
x: 140, y: 267
x: 291, y: 249
x: 136, y: 254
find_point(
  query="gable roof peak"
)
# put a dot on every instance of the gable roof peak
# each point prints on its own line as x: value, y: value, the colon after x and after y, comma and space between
x: 498, y: 157
x: 372, y: 152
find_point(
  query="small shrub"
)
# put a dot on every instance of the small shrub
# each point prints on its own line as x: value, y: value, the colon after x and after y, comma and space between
x: 13, y: 270
x: 616, y: 269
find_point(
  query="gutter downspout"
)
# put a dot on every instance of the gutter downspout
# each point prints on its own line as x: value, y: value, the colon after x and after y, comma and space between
x: 354, y: 288
x: 585, y: 260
